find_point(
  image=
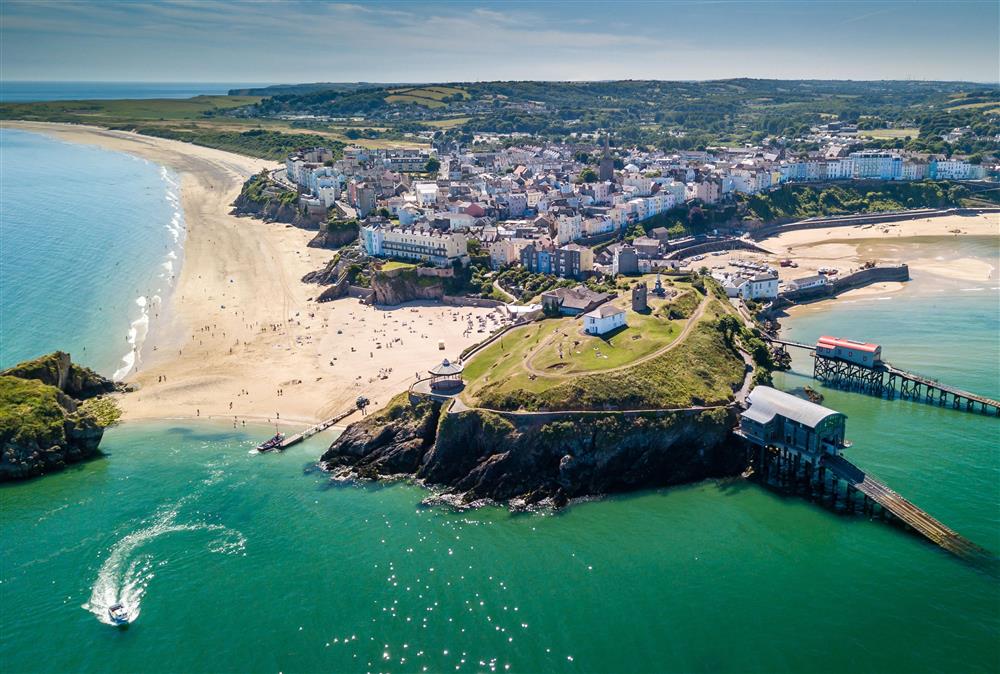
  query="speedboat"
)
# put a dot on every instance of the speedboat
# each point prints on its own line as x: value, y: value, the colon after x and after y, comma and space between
x: 118, y: 614
x: 273, y: 443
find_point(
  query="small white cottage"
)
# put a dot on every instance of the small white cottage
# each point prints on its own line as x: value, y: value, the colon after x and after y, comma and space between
x: 603, y: 319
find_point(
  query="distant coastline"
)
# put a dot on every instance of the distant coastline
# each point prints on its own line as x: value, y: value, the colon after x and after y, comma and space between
x: 26, y: 91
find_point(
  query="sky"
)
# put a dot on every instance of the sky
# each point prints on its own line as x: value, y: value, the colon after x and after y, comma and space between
x: 300, y: 41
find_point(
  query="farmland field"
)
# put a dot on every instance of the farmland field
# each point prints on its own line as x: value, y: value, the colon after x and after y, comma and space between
x: 890, y: 134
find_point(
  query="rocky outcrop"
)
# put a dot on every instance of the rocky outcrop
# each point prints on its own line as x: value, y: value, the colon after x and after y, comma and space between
x: 478, y: 456
x: 44, y: 422
x: 327, y: 275
x: 335, y: 234
x: 398, y: 286
x: 392, y: 442
x: 57, y: 369
x: 262, y: 198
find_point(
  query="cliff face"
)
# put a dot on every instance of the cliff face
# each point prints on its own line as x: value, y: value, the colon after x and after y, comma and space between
x: 57, y: 369
x: 260, y: 198
x: 43, y: 426
x: 394, y: 288
x: 526, y: 459
x: 336, y: 236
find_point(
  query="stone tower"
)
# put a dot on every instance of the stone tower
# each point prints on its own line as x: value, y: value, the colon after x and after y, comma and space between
x: 606, y: 169
x: 639, y: 304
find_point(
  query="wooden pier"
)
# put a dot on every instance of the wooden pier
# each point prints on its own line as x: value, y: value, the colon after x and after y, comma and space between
x: 838, y: 484
x: 908, y: 385
x: 795, y: 446
x: 882, y: 379
x: 313, y: 430
x: 905, y: 511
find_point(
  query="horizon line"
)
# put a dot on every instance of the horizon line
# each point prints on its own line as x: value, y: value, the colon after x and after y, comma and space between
x: 459, y: 81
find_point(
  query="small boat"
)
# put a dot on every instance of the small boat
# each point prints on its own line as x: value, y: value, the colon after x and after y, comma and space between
x: 273, y: 443
x: 118, y: 614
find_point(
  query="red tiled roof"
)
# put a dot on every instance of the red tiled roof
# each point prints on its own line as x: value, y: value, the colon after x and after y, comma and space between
x: 833, y: 342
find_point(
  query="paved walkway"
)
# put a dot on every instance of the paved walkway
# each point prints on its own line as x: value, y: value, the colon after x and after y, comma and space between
x: 499, y: 289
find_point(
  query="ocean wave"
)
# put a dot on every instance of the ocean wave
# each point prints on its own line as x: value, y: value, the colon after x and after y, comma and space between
x: 137, y: 332
x: 139, y: 328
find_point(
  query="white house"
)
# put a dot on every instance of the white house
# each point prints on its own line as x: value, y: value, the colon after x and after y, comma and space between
x: 427, y: 193
x: 807, y: 282
x: 760, y: 286
x: 603, y: 319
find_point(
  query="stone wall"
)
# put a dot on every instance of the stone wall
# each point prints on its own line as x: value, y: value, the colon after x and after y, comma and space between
x: 865, y: 219
x: 878, y: 274
x: 459, y: 301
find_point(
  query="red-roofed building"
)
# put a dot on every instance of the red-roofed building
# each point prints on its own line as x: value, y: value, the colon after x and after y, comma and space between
x: 861, y: 353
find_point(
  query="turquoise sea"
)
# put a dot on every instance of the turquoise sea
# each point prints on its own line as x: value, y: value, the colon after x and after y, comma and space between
x: 90, y: 241
x: 235, y: 562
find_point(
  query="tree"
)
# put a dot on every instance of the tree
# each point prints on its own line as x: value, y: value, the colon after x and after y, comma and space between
x: 433, y: 165
x: 696, y: 217
x: 587, y: 175
x: 384, y: 212
x: 728, y: 325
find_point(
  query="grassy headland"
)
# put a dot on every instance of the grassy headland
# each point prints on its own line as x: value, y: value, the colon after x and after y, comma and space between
x: 673, y: 356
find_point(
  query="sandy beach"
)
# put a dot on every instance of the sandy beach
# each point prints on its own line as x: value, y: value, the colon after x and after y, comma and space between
x: 847, y: 248
x: 240, y: 339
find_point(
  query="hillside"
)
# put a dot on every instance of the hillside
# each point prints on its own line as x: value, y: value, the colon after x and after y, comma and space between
x: 549, y: 414
x: 669, y: 114
x: 673, y: 356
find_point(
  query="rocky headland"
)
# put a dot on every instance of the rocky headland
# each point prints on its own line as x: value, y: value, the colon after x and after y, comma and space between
x: 52, y: 414
x: 261, y: 197
x: 392, y: 288
x: 476, y: 456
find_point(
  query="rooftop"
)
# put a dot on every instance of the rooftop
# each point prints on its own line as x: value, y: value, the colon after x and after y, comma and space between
x: 446, y: 368
x: 605, y: 311
x: 766, y: 402
x: 833, y: 342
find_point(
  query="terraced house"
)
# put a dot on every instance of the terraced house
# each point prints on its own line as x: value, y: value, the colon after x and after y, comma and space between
x: 423, y: 244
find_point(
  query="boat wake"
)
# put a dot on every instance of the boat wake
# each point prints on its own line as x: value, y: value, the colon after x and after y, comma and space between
x: 127, y: 571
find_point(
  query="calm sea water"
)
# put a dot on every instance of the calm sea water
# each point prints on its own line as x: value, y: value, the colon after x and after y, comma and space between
x: 25, y: 92
x: 234, y: 562
x: 89, y: 241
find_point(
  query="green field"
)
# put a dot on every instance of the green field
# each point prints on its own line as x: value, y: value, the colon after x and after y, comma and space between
x: 415, y: 100
x: 653, y: 362
x: 569, y: 350
x: 197, y: 120
x: 447, y: 123
x: 396, y: 264
x: 101, y: 112
x: 429, y: 97
x: 889, y: 134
